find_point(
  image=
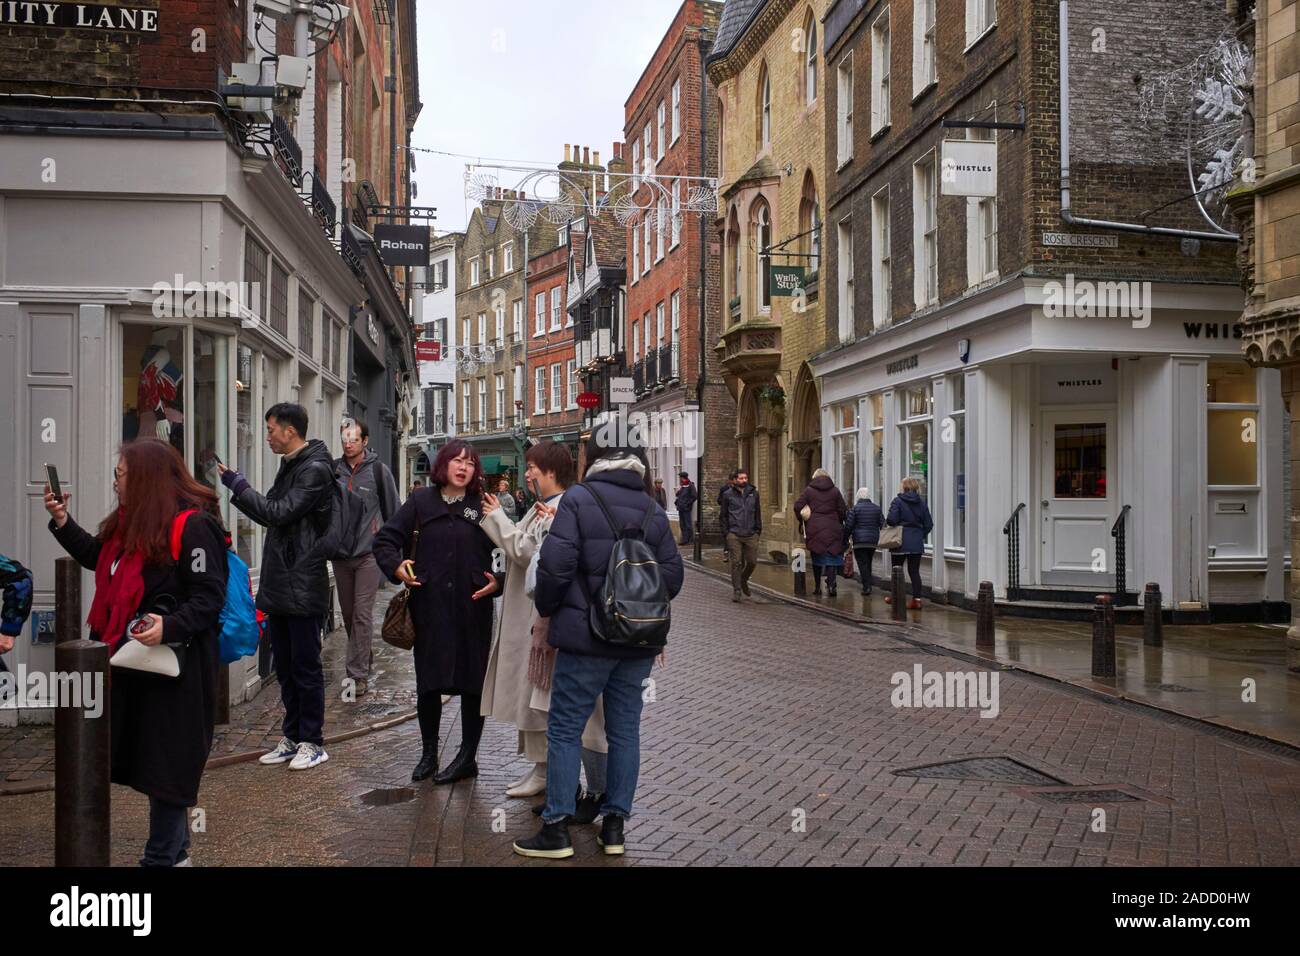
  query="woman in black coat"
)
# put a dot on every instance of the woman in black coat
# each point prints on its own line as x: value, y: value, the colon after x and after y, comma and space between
x: 450, y: 575
x: 862, y: 530
x: 160, y: 727
x: 909, y: 510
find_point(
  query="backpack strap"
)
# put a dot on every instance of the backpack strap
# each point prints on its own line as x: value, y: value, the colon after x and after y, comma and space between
x: 178, y: 529
x: 609, y: 517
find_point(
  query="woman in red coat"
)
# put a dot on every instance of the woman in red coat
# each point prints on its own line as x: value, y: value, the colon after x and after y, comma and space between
x: 823, y: 528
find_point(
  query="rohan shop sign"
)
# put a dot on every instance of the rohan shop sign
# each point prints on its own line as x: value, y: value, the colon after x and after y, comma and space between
x: 88, y: 16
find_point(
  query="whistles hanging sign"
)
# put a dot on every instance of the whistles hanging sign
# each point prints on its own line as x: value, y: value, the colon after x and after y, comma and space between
x: 86, y: 16
x: 970, y: 168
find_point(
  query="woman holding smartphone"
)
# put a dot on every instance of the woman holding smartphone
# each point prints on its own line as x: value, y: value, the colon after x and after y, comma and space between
x: 450, y: 575
x: 161, y: 727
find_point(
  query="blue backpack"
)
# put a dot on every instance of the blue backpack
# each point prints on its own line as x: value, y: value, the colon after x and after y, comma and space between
x: 241, y: 621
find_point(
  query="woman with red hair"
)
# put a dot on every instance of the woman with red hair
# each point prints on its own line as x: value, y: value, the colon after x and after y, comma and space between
x: 161, y: 727
x: 449, y: 573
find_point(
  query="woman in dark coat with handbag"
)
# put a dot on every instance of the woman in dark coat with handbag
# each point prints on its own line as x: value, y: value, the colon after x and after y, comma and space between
x: 450, y: 575
x: 160, y: 727
x: 909, y: 511
x: 862, y: 531
x: 823, y: 528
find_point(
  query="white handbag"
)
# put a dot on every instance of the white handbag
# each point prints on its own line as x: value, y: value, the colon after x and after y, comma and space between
x: 161, y: 659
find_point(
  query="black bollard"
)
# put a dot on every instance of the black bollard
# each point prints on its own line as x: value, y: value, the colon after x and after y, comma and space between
x: 1103, y: 637
x: 800, y: 575
x: 1153, y: 628
x: 81, y: 733
x: 897, y: 598
x: 984, y: 616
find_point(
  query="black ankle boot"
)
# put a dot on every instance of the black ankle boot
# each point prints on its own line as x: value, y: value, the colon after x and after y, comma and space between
x: 611, y: 835
x: 551, y: 842
x: 427, y: 765
x: 462, y: 767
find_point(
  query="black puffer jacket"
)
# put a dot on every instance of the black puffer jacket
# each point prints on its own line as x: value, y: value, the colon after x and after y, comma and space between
x: 293, y: 579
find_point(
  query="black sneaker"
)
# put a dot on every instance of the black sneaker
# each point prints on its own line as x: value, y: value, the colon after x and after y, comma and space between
x: 551, y: 842
x: 744, y: 588
x: 611, y: 835
x: 588, y: 807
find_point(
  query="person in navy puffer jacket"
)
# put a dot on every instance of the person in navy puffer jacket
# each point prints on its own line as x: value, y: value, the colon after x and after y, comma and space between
x: 862, y: 530
x: 579, y: 543
x: 909, y: 510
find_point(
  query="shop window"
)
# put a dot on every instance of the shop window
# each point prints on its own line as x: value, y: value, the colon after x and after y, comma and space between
x: 247, y: 434
x: 914, y: 437
x: 845, y: 468
x: 153, y: 383
x: 956, y: 436
x: 279, y: 299
x: 1231, y: 383
x: 1080, y: 452
x: 1233, y: 457
x: 876, y: 407
x: 209, y: 418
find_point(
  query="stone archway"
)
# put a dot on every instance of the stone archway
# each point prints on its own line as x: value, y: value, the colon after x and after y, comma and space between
x: 805, y: 429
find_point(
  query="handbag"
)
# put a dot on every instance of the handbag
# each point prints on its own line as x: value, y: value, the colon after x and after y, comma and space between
x: 164, y: 660
x: 398, y: 628
x: 848, y: 564
x: 891, y: 537
x: 805, y: 512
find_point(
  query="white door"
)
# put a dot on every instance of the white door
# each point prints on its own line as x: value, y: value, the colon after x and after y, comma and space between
x: 1077, y: 469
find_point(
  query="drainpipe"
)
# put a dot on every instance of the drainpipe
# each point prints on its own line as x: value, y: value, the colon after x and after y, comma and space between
x: 1066, y: 215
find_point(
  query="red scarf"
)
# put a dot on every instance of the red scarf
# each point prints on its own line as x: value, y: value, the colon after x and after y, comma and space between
x: 117, y: 595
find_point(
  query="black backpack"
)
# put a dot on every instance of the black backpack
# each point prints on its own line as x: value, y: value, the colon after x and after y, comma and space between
x: 632, y: 609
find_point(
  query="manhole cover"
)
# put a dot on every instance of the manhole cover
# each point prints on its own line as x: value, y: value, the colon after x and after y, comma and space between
x: 1086, y: 796
x: 997, y: 769
x: 387, y: 796
x: 375, y: 710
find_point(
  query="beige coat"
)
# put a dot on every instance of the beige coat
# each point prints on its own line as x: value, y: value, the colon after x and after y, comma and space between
x: 508, y: 696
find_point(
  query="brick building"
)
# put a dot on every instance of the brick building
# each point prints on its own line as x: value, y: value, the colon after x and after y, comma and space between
x: 673, y: 285
x: 1034, y: 320
x: 178, y: 261
x: 435, y: 418
x: 767, y: 66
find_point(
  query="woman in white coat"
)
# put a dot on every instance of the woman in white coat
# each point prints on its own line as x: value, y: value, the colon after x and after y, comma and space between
x: 516, y: 689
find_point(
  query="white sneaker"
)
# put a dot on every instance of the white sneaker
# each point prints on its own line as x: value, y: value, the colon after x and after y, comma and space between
x: 284, y: 752
x: 309, y: 755
x: 188, y: 861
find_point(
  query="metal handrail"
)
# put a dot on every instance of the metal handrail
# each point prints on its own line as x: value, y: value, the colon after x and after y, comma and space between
x: 1013, y: 552
x: 1118, y: 527
x: 1006, y: 528
x: 1119, y: 531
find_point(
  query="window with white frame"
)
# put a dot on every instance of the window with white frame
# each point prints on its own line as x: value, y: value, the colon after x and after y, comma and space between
x: 765, y: 110
x: 557, y: 310
x: 636, y: 251
x: 916, y: 413
x: 646, y: 228
x: 677, y: 109
x: 661, y: 218
x: 925, y: 233
x: 517, y: 388
x: 661, y: 129
x: 880, y: 68
x: 482, y: 328
x: 636, y: 338
x: 981, y: 16
x: 954, y: 436
x: 844, y: 110
x: 763, y: 256
x: 876, y: 448
x: 465, y: 339
x: 557, y: 386
x: 981, y: 226
x: 810, y: 61
x: 539, y: 319
x: 508, y: 258
x: 517, y: 319
x: 465, y: 419
x: 539, y: 397
x: 572, y: 390
x: 881, y: 261
x: 501, y: 398
x: 483, y: 402
x: 500, y: 327
x: 846, y: 303
x: 659, y: 326
x: 924, y: 67
x: 844, y: 469
x: 677, y: 332
x: 649, y: 152
x: 636, y: 165
x: 473, y: 271
x: 676, y: 214
x: 1233, y: 459
x: 491, y: 264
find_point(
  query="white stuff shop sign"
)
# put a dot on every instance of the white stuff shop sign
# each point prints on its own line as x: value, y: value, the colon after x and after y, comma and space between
x: 86, y: 16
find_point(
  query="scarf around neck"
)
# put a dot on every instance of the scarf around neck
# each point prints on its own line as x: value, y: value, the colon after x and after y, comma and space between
x: 117, y: 593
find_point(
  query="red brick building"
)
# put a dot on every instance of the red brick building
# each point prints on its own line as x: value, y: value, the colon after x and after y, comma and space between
x: 672, y: 261
x: 550, y: 385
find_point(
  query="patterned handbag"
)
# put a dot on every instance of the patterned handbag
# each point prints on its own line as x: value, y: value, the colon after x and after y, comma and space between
x: 398, y: 628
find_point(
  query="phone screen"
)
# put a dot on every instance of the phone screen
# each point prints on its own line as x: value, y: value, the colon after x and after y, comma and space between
x: 52, y: 474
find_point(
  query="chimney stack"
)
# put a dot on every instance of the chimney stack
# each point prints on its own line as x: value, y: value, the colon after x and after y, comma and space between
x: 566, y: 152
x: 586, y: 155
x: 596, y: 157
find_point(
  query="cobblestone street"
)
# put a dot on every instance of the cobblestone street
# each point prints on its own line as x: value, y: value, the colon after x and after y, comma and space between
x: 771, y: 741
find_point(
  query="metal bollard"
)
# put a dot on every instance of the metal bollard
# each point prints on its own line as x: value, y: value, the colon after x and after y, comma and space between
x: 81, y: 741
x: 899, y: 602
x: 1103, y: 637
x: 1153, y: 628
x: 984, y: 616
x: 798, y: 564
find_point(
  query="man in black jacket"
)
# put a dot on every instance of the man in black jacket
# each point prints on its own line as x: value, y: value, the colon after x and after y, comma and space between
x: 686, y: 498
x: 357, y: 576
x: 293, y: 581
x: 742, y: 524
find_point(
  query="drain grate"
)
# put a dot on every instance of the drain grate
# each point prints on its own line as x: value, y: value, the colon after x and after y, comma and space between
x: 1173, y: 688
x: 1086, y: 796
x: 996, y: 769
x: 375, y: 710
x: 388, y: 796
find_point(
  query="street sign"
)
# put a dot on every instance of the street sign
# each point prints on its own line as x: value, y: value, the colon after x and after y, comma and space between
x: 970, y: 167
x: 402, y: 245
x: 786, y: 281
x: 622, y: 391
x: 428, y: 351
x: 588, y: 400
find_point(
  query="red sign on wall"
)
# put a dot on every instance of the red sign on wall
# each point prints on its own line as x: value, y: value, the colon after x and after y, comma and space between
x: 588, y: 400
x: 428, y: 351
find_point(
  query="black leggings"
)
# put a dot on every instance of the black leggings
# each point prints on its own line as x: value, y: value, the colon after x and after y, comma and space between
x: 865, y: 558
x: 830, y: 576
x: 913, y: 570
x: 429, y: 706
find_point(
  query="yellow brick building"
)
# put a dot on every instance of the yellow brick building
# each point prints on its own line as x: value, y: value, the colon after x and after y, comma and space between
x: 767, y: 67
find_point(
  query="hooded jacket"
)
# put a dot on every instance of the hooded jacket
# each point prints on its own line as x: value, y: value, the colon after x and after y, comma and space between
x: 863, y: 524
x: 824, y: 529
x: 910, y: 511
x: 293, y: 579
x: 373, y: 483
x: 741, y: 513
x: 580, y: 542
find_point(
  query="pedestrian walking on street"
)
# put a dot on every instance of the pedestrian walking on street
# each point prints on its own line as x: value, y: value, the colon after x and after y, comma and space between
x: 821, y: 510
x: 909, y: 511
x: 862, y: 531
x: 160, y: 727
x: 506, y: 501
x: 293, y: 583
x: 727, y: 486
x: 742, y: 524
x: 517, y: 688
x: 451, y: 575
x: 357, y: 577
x: 685, y: 501
x: 572, y: 569
x: 661, y: 494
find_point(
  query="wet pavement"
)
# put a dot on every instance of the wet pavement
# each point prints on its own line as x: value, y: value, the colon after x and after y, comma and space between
x: 1199, y: 672
x: 771, y: 739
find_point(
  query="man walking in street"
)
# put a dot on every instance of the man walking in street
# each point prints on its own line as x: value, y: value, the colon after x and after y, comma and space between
x: 293, y: 588
x: 506, y: 500
x: 742, y: 523
x: 686, y: 498
x: 357, y: 577
x: 726, y: 486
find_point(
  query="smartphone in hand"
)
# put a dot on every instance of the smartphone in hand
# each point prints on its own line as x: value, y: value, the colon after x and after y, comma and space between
x: 52, y: 476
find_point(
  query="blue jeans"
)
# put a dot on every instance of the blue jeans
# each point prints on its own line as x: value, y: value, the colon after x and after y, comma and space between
x: 579, y: 679
x: 169, y: 834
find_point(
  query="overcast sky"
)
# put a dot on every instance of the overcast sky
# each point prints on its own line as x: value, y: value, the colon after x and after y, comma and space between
x: 517, y: 79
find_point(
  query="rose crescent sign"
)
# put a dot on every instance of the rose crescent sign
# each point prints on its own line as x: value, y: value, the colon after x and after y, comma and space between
x: 588, y: 400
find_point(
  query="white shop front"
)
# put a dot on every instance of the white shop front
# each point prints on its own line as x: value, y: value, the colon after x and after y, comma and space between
x: 1065, y: 457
